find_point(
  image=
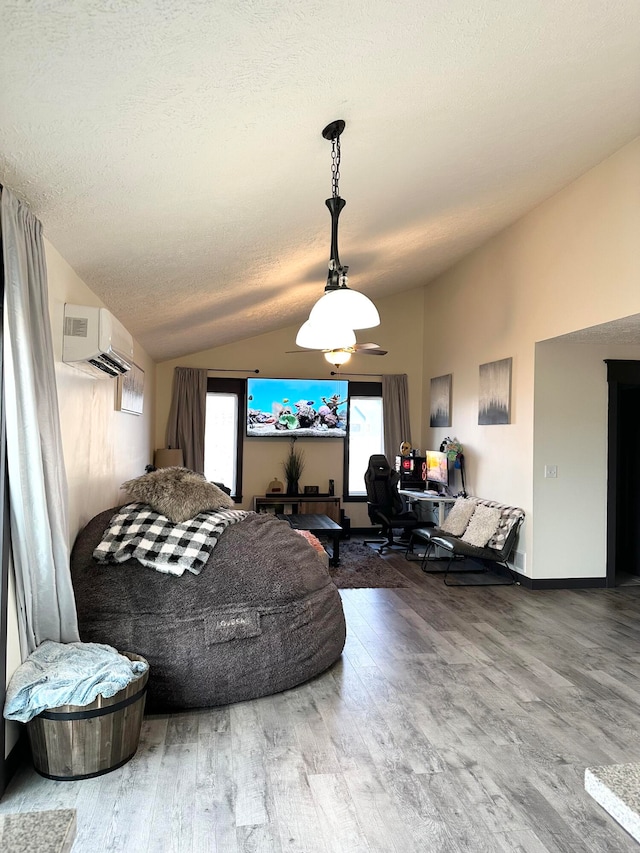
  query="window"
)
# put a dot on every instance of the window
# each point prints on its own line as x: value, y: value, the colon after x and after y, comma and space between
x: 366, y: 435
x: 224, y: 433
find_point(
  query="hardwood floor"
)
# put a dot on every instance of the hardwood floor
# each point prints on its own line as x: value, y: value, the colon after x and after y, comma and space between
x: 456, y: 720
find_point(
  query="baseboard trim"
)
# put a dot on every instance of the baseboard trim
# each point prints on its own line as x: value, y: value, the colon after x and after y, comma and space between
x: 561, y: 583
x: 523, y: 580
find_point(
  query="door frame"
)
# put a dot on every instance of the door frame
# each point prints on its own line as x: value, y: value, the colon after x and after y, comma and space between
x: 619, y: 372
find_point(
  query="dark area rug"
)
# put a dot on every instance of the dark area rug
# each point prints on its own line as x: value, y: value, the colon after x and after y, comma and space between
x: 360, y: 567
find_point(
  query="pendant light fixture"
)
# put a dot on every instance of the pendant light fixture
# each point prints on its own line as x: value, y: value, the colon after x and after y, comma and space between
x: 337, y: 357
x: 332, y: 335
x: 340, y: 310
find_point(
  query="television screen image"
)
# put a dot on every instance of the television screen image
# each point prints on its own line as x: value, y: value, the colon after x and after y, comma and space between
x: 437, y: 467
x: 306, y: 408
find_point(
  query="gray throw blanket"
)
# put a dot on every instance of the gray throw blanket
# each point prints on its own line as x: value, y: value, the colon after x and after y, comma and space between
x: 58, y: 674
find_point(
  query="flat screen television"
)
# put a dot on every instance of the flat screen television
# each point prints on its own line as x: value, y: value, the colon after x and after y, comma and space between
x: 305, y: 408
x: 437, y: 468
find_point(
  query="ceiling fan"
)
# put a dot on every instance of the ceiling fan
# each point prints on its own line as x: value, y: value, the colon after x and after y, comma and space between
x: 340, y: 355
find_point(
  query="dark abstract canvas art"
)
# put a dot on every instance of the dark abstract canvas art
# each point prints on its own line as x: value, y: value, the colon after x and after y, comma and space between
x: 440, y: 406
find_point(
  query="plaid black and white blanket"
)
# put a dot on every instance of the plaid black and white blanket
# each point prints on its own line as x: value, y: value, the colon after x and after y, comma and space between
x: 136, y: 531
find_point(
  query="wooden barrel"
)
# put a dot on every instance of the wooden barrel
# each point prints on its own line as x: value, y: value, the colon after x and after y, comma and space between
x: 81, y: 741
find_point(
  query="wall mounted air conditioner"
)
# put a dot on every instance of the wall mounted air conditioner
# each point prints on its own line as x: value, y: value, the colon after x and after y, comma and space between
x: 95, y: 341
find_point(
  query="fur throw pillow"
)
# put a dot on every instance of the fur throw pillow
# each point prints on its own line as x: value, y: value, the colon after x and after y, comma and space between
x: 456, y: 521
x: 177, y: 493
x: 484, y: 523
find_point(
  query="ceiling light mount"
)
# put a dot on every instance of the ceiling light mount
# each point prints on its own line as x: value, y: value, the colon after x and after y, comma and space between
x: 334, y: 129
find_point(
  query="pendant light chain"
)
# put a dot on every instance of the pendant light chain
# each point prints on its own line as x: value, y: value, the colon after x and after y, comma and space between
x: 335, y: 166
x: 339, y: 311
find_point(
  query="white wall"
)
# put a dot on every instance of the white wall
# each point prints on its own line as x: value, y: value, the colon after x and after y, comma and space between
x: 102, y: 447
x: 570, y: 431
x: 400, y: 332
x: 571, y: 263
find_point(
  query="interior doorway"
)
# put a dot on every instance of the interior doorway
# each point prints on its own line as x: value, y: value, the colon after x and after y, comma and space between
x: 623, y: 491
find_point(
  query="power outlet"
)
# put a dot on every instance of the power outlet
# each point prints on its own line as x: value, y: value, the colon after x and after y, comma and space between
x: 551, y: 471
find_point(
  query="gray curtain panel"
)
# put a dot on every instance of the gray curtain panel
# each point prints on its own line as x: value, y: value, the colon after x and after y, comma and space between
x: 186, y: 424
x: 395, y: 414
x: 37, y: 480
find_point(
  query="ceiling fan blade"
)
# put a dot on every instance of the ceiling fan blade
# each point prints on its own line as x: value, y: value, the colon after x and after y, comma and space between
x: 369, y: 349
x: 358, y: 349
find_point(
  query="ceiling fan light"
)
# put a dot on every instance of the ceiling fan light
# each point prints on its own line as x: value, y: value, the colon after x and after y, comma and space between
x: 329, y: 335
x: 337, y: 357
x: 350, y: 306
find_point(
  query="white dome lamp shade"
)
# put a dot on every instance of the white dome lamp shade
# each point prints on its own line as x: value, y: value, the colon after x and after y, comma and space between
x: 330, y: 335
x: 339, y: 304
x: 337, y: 357
x: 355, y: 307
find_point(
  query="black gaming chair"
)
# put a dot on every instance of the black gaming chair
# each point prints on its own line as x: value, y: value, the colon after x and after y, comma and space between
x: 384, y: 504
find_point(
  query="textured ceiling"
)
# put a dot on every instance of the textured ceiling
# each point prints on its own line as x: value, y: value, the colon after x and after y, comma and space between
x: 622, y: 332
x: 173, y: 151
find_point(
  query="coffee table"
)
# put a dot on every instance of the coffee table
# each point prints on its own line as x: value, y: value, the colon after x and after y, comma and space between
x: 318, y: 524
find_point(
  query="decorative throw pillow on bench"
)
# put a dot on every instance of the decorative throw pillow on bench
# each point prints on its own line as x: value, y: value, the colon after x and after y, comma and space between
x: 458, y: 518
x: 483, y: 524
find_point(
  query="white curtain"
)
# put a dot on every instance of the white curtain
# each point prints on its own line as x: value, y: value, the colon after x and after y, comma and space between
x: 37, y: 481
x: 395, y: 414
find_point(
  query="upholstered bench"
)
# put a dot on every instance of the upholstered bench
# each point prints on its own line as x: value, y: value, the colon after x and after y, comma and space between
x: 475, y: 528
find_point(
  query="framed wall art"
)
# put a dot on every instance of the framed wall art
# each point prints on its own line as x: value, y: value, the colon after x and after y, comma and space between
x: 440, y: 401
x: 130, y: 391
x: 494, y: 395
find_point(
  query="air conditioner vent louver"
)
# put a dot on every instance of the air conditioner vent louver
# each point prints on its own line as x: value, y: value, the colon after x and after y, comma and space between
x: 104, y: 366
x: 96, y: 342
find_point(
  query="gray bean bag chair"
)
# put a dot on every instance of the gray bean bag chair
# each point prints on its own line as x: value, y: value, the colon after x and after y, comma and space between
x: 262, y: 616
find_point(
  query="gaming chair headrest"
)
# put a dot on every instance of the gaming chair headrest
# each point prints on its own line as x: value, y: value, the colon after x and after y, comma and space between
x: 378, y: 466
x: 381, y: 482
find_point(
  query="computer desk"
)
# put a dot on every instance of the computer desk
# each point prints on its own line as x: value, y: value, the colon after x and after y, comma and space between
x: 415, y: 496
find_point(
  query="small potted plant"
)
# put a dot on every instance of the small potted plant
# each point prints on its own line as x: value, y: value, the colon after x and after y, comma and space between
x: 454, y: 451
x: 293, y: 467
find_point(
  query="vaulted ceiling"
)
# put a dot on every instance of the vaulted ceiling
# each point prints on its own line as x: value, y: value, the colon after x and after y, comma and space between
x: 173, y: 151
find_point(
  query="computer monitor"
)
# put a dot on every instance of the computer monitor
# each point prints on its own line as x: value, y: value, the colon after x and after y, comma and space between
x: 437, y: 468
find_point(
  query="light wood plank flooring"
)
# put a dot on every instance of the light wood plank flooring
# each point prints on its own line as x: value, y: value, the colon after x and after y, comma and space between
x: 456, y: 720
